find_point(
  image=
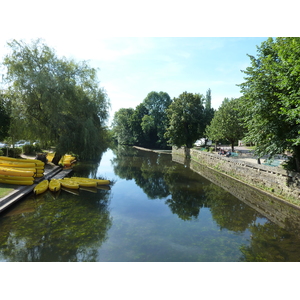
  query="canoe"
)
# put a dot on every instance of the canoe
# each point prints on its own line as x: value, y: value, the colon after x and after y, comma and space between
x: 13, y: 172
x: 98, y: 181
x: 54, y: 185
x: 17, y: 182
x: 67, y: 183
x: 41, y: 187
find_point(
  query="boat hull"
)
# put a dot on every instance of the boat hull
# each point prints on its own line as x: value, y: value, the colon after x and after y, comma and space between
x: 41, y: 187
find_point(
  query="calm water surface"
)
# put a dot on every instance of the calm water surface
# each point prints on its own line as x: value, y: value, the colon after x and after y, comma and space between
x: 156, y: 210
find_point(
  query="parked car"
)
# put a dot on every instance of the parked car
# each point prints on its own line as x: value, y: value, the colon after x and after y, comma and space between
x: 21, y: 143
x: 3, y: 145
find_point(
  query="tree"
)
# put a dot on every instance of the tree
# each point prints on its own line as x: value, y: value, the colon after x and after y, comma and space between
x: 122, y: 126
x: 58, y: 100
x: 186, y: 119
x: 271, y: 98
x: 227, y: 123
x: 156, y: 122
x: 4, y: 118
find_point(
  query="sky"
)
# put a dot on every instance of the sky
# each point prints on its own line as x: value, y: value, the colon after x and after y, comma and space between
x: 139, y: 49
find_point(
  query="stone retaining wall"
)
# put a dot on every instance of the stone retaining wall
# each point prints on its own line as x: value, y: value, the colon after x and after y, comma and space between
x: 274, y: 180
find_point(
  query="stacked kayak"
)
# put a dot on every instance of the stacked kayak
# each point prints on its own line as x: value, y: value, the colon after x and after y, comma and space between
x: 67, y: 160
x: 20, y: 171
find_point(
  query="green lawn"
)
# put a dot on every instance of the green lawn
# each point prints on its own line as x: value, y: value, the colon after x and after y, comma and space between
x: 5, y: 189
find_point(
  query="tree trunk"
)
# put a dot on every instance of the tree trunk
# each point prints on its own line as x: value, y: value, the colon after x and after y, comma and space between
x: 296, y: 157
x: 56, y: 158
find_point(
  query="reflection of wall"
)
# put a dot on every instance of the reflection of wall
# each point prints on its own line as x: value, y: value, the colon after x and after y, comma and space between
x: 281, y: 213
x: 272, y: 179
x: 284, y: 214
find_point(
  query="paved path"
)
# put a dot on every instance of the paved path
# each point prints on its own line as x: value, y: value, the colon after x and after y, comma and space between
x: 246, y: 154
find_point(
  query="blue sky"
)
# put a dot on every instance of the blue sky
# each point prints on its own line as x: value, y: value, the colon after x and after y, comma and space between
x: 164, y: 49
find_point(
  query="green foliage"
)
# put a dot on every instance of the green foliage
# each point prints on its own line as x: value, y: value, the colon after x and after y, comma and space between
x: 55, y: 100
x: 4, y: 117
x: 12, y: 152
x: 186, y: 120
x: 146, y: 124
x: 271, y: 97
x: 122, y: 126
x: 227, y: 122
x: 31, y: 149
x: 156, y: 122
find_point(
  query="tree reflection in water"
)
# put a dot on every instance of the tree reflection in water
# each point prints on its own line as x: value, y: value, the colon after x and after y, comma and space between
x: 193, y: 219
x: 187, y: 193
x: 65, y: 228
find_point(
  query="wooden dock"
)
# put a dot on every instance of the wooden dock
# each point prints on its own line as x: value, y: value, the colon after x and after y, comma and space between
x: 51, y: 171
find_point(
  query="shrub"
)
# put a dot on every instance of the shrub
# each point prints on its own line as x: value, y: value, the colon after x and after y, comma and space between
x: 28, y: 149
x: 14, y: 152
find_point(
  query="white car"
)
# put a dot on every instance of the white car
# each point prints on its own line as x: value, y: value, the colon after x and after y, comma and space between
x: 3, y: 145
x: 21, y: 143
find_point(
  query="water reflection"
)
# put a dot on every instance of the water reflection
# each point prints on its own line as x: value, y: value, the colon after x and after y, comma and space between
x: 48, y: 228
x: 157, y: 210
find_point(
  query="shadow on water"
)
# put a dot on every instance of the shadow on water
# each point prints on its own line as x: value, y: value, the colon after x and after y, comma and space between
x: 158, y: 210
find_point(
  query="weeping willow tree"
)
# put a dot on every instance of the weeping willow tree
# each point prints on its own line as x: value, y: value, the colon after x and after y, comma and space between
x: 56, y: 100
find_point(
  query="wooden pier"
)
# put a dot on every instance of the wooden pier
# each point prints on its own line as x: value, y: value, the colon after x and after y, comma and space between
x: 51, y: 171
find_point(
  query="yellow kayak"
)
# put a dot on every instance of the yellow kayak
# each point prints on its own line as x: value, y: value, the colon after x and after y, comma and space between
x: 14, y: 172
x: 98, y: 181
x: 9, y: 177
x: 54, y: 185
x: 17, y: 182
x: 22, y: 160
x: 85, y: 183
x: 41, y: 187
x: 67, y: 183
x: 12, y: 164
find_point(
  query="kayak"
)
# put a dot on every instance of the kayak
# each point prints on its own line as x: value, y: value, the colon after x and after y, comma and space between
x: 37, y: 163
x: 9, y: 177
x: 12, y: 164
x: 14, y: 172
x: 54, y: 185
x: 85, y: 183
x: 98, y: 181
x: 41, y: 187
x: 67, y: 183
x: 17, y: 182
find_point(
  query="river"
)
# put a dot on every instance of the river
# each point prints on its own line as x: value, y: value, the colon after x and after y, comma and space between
x: 156, y: 210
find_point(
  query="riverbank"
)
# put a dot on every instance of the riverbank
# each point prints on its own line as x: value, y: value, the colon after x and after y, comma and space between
x: 274, y: 180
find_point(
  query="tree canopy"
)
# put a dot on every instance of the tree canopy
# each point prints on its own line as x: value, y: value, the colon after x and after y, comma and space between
x: 56, y: 100
x: 186, y: 120
x: 227, y: 122
x: 271, y: 98
x: 146, y: 124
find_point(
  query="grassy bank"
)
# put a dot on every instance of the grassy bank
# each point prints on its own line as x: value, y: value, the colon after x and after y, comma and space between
x: 5, y: 189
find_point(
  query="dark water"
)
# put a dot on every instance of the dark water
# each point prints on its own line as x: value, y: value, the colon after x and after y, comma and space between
x: 156, y: 210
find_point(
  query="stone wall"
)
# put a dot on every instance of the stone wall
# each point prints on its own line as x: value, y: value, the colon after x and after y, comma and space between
x: 273, y: 180
x: 280, y: 212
